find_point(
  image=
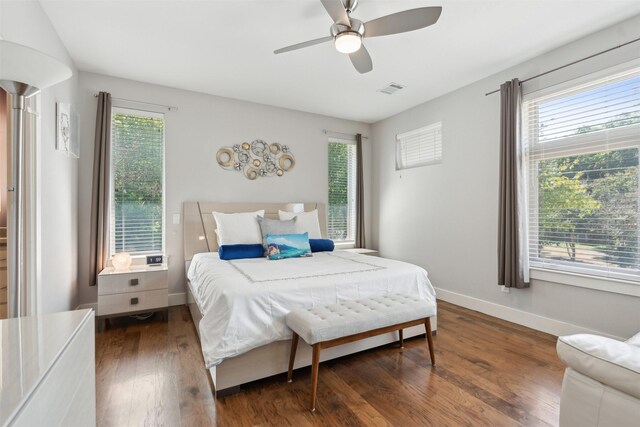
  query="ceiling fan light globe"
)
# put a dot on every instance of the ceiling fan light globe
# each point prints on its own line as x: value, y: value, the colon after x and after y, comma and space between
x: 348, y: 42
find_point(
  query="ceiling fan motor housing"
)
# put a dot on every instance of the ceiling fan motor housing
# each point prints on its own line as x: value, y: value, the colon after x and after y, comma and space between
x: 356, y: 26
x: 348, y: 39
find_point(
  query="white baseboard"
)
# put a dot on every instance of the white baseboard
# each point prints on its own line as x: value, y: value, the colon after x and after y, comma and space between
x: 174, y: 299
x: 178, y: 299
x: 524, y: 318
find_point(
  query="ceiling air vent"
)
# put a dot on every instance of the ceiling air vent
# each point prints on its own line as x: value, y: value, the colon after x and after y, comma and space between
x: 391, y: 88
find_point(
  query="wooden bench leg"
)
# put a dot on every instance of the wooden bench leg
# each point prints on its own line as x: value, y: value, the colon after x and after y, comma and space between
x: 315, y: 366
x: 292, y: 356
x: 427, y: 326
x: 401, y: 338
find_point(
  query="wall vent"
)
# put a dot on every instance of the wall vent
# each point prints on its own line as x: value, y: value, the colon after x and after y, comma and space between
x: 391, y: 88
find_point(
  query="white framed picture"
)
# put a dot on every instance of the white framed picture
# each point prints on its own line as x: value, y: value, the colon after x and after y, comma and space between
x: 63, y: 126
x: 74, y: 144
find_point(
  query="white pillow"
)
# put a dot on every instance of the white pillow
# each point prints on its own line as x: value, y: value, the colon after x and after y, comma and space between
x: 307, y: 222
x: 238, y: 228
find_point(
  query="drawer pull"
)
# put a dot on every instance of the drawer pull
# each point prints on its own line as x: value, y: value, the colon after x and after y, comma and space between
x: 134, y: 301
x: 133, y: 282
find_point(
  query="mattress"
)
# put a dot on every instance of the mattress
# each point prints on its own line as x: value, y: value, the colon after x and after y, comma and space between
x: 244, y: 302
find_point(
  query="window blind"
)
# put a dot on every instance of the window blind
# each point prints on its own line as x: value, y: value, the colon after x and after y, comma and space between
x: 342, y: 190
x: 581, y: 147
x: 137, y: 182
x: 419, y: 147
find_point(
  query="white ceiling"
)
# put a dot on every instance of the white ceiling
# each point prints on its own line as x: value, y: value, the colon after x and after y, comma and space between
x: 225, y: 47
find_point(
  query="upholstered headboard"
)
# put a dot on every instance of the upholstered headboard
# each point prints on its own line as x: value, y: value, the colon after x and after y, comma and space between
x: 200, y: 226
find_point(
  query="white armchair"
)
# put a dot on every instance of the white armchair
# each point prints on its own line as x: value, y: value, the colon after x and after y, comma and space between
x: 601, y: 385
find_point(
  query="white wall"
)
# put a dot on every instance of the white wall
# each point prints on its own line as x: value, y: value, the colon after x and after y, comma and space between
x: 201, y: 125
x: 26, y: 23
x: 444, y: 217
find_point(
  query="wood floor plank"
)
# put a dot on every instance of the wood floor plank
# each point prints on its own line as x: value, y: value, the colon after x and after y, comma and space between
x: 194, y: 392
x: 153, y: 401
x: 520, y: 403
x: 510, y: 353
x: 417, y: 395
x: 359, y: 406
x: 489, y: 372
x: 523, y: 383
x: 117, y: 398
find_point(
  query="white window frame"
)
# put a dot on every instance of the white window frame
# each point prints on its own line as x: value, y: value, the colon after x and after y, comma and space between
x: 434, y: 127
x: 556, y: 271
x: 126, y: 107
x: 351, y: 243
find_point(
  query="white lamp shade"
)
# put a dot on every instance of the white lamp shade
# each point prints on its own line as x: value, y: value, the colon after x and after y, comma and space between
x: 23, y: 64
x: 348, y: 42
x: 121, y: 261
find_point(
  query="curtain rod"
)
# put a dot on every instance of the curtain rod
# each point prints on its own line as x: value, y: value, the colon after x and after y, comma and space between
x: 571, y: 63
x: 168, y: 107
x: 352, y: 135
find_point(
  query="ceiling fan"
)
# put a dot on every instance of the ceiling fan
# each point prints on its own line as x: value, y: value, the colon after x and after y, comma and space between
x: 347, y: 32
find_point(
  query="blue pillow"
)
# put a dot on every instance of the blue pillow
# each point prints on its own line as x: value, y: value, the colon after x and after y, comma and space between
x: 321, y: 245
x: 228, y: 252
x: 281, y: 246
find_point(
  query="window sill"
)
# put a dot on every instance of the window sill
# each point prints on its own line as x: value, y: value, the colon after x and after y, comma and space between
x: 617, y: 286
x: 344, y: 244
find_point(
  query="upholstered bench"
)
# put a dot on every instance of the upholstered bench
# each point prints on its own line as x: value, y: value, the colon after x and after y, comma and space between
x: 347, y: 321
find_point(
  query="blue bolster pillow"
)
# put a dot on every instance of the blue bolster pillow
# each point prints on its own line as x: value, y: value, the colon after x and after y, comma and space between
x: 321, y: 245
x: 228, y: 252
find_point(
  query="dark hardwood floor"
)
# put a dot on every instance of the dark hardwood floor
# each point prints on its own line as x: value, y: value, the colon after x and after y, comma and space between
x: 489, y: 373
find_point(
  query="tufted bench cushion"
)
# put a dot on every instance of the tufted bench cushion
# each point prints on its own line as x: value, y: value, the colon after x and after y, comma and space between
x: 347, y: 318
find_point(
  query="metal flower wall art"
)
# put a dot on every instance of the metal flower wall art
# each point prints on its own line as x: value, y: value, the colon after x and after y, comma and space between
x: 257, y: 159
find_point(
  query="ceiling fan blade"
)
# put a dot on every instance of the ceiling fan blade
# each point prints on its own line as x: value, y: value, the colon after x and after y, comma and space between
x: 336, y: 11
x: 401, y: 22
x: 361, y: 60
x: 303, y: 44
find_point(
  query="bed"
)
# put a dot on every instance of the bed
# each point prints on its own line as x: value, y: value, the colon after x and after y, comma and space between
x: 239, y: 306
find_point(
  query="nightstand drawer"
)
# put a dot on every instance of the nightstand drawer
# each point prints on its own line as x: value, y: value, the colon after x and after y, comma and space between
x: 110, y: 284
x: 132, y: 301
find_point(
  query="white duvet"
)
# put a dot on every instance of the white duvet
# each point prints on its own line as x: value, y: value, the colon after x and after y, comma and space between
x: 244, y: 302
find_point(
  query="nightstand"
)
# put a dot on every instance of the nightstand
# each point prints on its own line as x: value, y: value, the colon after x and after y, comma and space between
x: 363, y: 251
x: 140, y: 289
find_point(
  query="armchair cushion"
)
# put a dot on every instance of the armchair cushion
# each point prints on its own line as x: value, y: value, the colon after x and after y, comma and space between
x: 611, y: 362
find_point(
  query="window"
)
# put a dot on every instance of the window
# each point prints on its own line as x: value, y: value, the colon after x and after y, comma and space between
x: 137, y: 182
x: 342, y: 190
x: 419, y: 147
x: 581, y: 149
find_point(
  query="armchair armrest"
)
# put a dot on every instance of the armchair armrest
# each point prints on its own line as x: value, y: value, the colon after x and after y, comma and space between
x: 611, y: 362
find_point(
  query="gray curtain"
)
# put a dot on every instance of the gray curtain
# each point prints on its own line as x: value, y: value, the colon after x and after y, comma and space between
x: 98, y: 249
x: 360, y: 239
x: 512, y: 266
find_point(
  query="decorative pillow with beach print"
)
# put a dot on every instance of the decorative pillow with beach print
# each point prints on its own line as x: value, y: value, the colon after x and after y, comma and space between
x: 281, y: 246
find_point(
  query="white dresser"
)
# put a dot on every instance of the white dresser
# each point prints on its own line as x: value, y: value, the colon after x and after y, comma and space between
x: 139, y: 289
x: 48, y: 370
